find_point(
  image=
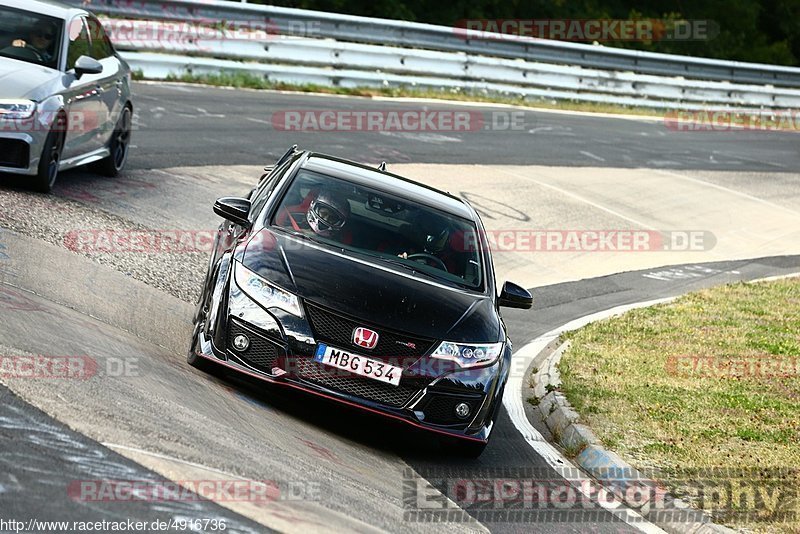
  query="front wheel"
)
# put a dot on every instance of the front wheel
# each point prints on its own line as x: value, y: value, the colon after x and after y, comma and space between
x: 118, y: 146
x: 198, y: 362
x: 51, y: 158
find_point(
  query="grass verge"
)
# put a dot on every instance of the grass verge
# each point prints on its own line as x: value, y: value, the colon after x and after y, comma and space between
x: 705, y: 383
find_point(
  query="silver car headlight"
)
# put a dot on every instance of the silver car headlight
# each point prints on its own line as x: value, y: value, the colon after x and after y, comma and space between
x: 17, y: 109
x: 468, y: 354
x: 264, y: 292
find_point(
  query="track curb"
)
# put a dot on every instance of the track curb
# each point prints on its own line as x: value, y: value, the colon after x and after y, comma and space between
x: 586, y: 450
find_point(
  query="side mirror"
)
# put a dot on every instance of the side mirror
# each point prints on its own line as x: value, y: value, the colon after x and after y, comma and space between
x: 233, y: 209
x: 87, y: 65
x: 514, y: 296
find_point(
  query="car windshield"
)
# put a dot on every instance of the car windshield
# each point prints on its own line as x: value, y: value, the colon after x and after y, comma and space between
x: 30, y: 37
x: 431, y: 243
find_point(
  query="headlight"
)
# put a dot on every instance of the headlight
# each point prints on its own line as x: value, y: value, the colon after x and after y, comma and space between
x: 468, y: 354
x: 17, y: 109
x: 265, y: 293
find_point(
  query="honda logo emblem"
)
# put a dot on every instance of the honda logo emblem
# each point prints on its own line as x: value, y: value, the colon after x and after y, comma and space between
x: 365, y: 338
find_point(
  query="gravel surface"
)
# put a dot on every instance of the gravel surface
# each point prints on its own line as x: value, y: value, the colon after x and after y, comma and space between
x: 58, y: 220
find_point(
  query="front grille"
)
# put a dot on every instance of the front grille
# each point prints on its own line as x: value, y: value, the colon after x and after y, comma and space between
x: 358, y: 386
x: 261, y: 354
x: 441, y: 409
x: 14, y: 153
x: 338, y: 330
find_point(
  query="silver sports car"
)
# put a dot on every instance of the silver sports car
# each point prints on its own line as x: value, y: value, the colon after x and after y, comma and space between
x: 64, y: 93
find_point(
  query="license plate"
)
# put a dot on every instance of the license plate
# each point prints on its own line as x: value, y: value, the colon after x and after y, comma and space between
x: 357, y: 364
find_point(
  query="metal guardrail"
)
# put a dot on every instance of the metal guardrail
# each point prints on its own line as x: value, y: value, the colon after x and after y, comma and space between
x: 332, y: 63
x: 356, y: 29
x: 160, y: 66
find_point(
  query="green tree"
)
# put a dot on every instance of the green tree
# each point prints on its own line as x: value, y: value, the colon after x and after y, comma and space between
x: 766, y: 31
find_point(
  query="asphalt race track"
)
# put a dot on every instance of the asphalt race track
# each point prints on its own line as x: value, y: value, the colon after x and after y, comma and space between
x: 189, y: 126
x: 143, y: 414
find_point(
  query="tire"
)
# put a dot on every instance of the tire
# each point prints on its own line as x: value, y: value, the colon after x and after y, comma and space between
x: 51, y: 158
x: 203, y: 300
x: 473, y: 449
x: 198, y: 362
x: 119, y: 146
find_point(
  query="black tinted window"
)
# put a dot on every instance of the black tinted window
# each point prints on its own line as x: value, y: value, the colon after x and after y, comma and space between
x: 389, y: 228
x: 30, y: 37
x: 265, y: 187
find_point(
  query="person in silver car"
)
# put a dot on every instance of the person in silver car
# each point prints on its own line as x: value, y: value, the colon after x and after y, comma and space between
x: 40, y: 40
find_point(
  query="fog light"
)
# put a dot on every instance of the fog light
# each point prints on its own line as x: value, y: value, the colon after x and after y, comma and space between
x: 240, y: 342
x: 462, y: 409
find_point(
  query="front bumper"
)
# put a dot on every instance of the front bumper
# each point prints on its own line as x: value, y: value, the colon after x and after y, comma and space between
x: 481, y: 436
x: 425, y: 403
x: 21, y: 145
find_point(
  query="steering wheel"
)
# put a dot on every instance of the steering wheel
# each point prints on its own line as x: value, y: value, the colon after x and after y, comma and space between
x: 26, y: 52
x: 429, y: 257
x: 35, y: 52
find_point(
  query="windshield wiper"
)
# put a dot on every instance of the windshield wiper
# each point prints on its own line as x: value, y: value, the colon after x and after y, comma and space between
x: 411, y: 268
x: 312, y: 239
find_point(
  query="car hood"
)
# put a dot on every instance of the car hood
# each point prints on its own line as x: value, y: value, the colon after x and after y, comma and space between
x: 19, y: 79
x: 375, y: 293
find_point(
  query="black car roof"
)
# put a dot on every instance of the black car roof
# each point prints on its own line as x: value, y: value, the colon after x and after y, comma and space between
x: 388, y: 182
x: 50, y: 8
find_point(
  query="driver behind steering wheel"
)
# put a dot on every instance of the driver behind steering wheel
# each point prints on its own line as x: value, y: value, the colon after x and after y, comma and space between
x: 328, y: 214
x: 432, y: 234
x: 40, y: 40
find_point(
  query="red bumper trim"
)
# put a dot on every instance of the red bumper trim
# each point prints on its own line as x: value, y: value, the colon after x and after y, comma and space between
x: 337, y: 399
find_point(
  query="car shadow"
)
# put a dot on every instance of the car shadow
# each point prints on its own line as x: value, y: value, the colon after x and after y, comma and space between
x: 65, y: 180
x: 343, y: 421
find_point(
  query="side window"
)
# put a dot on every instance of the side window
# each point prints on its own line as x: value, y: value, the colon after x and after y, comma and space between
x: 262, y: 193
x: 101, y: 45
x: 79, y: 44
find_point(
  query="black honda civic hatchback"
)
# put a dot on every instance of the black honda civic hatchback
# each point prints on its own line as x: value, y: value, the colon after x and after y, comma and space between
x: 363, y: 287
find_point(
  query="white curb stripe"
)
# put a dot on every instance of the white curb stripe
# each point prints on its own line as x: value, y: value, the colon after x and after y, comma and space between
x: 512, y: 399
